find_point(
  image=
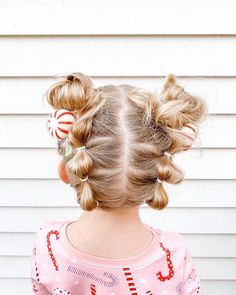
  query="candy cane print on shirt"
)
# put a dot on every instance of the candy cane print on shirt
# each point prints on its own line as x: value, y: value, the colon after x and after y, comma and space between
x: 114, y: 280
x: 35, y: 290
x: 52, y: 232
x: 59, y: 291
x: 178, y: 288
x: 130, y: 281
x: 170, y: 266
x: 93, y: 289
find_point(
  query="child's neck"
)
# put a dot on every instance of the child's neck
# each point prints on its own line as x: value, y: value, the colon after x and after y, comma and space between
x: 105, y: 233
x: 120, y: 219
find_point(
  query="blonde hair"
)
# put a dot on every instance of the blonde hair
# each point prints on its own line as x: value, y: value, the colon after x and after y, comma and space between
x: 126, y: 131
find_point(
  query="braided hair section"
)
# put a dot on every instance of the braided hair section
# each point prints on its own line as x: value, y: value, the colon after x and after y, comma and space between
x: 155, y: 122
x: 76, y: 93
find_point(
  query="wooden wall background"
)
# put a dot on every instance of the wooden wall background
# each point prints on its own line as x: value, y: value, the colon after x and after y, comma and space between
x: 137, y: 42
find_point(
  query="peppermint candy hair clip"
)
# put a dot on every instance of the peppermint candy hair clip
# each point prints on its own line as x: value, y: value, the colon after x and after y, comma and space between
x: 59, y: 123
x: 189, y: 131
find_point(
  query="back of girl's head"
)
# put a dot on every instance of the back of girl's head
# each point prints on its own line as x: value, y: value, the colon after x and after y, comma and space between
x: 126, y: 131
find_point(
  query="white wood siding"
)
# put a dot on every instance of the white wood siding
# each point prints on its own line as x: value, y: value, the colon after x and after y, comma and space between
x: 136, y: 42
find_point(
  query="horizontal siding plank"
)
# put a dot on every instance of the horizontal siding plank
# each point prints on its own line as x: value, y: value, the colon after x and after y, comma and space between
x: 216, y: 268
x: 216, y: 246
x: 11, y: 286
x: 25, y: 95
x: 118, y: 55
x: 53, y: 192
x: 79, y: 18
x: 208, y: 268
x: 210, y: 287
x: 36, y: 125
x: 185, y: 220
x: 42, y: 163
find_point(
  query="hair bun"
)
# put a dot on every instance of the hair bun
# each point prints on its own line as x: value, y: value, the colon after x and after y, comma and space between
x: 59, y: 123
x: 170, y: 80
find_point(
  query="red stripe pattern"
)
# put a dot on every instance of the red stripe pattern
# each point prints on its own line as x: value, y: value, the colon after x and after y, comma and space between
x: 93, y: 289
x: 59, y: 123
x: 130, y: 281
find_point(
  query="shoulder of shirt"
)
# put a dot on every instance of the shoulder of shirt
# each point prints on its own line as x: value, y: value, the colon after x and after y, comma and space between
x: 170, y: 238
x: 168, y: 234
x: 43, y: 228
x: 48, y: 225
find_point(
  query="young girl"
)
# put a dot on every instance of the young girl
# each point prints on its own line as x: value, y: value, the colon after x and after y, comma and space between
x: 117, y: 145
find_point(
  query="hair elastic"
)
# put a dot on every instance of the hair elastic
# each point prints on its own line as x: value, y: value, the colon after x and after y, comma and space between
x: 80, y: 148
x: 158, y: 180
x: 167, y: 154
x: 84, y: 179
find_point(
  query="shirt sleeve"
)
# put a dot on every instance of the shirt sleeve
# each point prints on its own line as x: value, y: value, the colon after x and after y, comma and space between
x: 37, y: 286
x: 191, y: 282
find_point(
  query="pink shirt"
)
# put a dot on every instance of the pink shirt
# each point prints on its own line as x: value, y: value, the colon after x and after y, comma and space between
x: 164, y: 267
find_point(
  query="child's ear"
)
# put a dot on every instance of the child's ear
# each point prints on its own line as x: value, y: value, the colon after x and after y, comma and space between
x: 62, y: 172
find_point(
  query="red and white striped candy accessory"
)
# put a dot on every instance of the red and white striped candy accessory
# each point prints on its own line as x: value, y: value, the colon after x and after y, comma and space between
x: 189, y: 131
x: 59, y: 123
